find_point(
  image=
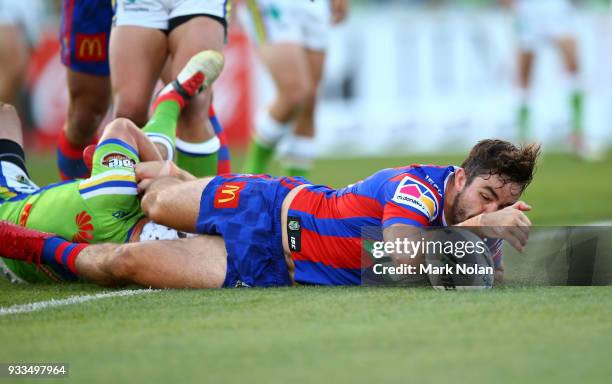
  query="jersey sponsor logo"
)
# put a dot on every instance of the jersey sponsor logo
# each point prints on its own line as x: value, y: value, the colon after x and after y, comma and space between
x: 117, y: 160
x: 228, y: 195
x: 294, y: 233
x: 91, y: 48
x: 413, y: 193
x: 85, y: 228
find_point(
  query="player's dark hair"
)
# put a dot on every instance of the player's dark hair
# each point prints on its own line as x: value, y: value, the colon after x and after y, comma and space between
x: 498, y: 157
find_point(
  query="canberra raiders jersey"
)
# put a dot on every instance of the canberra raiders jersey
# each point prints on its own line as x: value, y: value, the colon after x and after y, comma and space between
x: 102, y: 208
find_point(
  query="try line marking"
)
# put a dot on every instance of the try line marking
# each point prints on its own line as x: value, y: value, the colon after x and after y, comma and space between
x: 40, y: 305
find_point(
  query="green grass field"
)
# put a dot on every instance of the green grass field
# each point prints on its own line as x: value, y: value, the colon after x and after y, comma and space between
x: 509, y: 334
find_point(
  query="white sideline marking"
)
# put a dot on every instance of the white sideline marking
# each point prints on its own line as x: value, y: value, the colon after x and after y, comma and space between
x: 39, y: 306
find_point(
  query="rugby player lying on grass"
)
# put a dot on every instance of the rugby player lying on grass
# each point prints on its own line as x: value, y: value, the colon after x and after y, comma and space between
x: 263, y: 231
x: 105, y: 207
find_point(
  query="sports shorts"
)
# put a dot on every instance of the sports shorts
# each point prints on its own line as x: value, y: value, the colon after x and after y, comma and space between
x: 84, y: 35
x: 541, y: 21
x: 306, y: 23
x: 167, y: 14
x: 246, y: 211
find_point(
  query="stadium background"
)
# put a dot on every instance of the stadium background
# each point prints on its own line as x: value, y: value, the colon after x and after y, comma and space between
x: 389, y: 99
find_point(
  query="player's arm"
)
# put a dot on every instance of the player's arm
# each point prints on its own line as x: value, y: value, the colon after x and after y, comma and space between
x: 149, y: 171
x: 510, y: 224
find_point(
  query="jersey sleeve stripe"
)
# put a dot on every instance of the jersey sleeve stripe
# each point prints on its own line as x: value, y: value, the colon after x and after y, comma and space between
x: 108, y: 178
x: 120, y: 143
x: 402, y: 220
x: 393, y: 210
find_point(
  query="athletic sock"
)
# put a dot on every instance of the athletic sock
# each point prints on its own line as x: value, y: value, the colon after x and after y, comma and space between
x: 57, y: 251
x: 268, y: 133
x: 258, y: 157
x: 577, y: 105
x: 224, y: 161
x: 70, y: 159
x: 161, y: 128
x: 199, y: 159
x: 297, y: 155
x: 523, y: 123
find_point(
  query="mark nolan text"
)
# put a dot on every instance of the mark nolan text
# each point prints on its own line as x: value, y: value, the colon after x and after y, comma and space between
x: 459, y: 269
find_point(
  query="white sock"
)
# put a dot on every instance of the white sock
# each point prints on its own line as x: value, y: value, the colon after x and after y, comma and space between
x: 207, y: 147
x: 298, y: 151
x: 268, y: 131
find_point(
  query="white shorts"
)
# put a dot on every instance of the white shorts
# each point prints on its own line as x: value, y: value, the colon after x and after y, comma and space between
x: 307, y: 23
x: 28, y: 15
x: 156, y: 14
x: 542, y: 21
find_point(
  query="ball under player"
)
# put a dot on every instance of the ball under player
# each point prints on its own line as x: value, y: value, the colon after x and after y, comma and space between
x: 540, y: 22
x: 150, y: 35
x: 84, y: 36
x: 292, y: 38
x: 105, y: 207
x: 262, y: 231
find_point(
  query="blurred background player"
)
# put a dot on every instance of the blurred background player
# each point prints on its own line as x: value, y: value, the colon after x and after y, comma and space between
x: 153, y: 39
x: 84, y: 37
x: 540, y: 22
x: 20, y: 22
x: 292, y: 37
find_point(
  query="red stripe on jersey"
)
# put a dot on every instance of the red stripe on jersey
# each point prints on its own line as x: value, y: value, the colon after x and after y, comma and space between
x: 393, y: 210
x: 345, y: 206
x: 336, y: 252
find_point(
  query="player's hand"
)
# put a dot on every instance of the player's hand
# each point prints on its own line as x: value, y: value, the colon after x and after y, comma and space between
x: 510, y: 224
x: 339, y: 10
x: 148, y: 171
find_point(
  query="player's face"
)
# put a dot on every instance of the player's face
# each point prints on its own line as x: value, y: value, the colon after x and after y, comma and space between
x: 483, y: 195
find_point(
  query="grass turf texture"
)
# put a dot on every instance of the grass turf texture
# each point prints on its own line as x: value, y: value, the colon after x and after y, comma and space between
x: 317, y: 334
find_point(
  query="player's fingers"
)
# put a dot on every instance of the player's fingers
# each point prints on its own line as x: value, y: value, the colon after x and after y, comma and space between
x: 521, y: 206
x: 144, y: 184
x: 514, y: 242
x: 519, y: 235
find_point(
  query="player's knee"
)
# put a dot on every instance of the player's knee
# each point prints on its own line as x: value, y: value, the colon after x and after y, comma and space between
x: 120, y: 128
x: 132, y: 109
x: 297, y: 94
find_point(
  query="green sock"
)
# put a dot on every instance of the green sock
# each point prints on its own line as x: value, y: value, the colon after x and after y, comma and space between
x: 523, y: 123
x: 258, y: 157
x: 198, y: 165
x: 161, y: 127
x: 296, y: 171
x: 577, y: 101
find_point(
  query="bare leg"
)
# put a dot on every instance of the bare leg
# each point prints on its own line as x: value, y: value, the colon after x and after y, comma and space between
x: 304, y: 125
x: 525, y: 64
x: 89, y: 101
x: 300, y: 151
x: 14, y: 57
x: 293, y: 87
x: 198, y: 262
x: 194, y: 127
x: 128, y: 132
x: 137, y: 57
x: 10, y: 125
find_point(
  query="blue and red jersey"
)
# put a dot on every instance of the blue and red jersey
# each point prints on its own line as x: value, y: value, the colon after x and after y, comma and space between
x: 332, y: 221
